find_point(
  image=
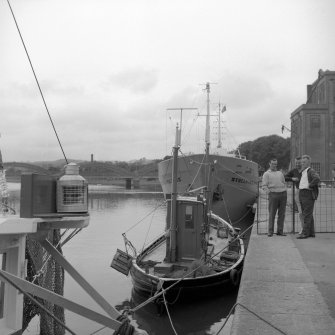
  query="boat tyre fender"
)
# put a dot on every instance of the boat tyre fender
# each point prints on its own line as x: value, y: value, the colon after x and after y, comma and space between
x: 235, y: 277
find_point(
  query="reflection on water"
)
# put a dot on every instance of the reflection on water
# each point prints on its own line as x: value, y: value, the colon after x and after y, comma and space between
x: 199, y: 317
x: 142, y: 216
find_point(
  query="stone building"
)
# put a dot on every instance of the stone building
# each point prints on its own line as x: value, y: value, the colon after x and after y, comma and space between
x: 313, y: 125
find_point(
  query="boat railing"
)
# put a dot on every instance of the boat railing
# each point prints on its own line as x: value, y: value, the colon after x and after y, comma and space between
x: 222, y: 221
x: 152, y: 245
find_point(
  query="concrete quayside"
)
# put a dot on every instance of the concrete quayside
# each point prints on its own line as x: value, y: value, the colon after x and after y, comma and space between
x: 287, y: 285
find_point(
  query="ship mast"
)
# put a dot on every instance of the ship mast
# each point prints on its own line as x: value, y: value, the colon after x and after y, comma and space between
x: 208, y: 128
x: 208, y: 142
x: 219, y: 125
x: 219, y: 129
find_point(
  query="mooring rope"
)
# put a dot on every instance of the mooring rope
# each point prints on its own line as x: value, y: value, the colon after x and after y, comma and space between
x: 255, y: 314
x: 168, y: 313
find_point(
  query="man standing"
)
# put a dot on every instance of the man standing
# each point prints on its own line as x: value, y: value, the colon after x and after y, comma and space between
x: 308, y: 193
x: 294, y: 175
x: 273, y: 183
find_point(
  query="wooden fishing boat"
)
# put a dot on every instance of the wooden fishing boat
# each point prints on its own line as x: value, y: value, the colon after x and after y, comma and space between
x: 198, y: 254
x: 207, y: 262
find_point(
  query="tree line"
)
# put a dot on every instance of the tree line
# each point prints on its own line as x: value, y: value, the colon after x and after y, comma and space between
x: 264, y: 148
x: 260, y: 151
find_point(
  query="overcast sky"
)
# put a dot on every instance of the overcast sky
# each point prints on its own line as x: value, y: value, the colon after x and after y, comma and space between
x: 109, y: 70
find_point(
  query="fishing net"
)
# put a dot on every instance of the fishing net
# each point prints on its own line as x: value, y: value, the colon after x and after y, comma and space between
x: 3, y: 191
x: 43, y: 270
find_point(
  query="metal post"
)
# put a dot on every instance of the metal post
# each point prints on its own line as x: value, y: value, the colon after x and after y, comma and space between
x: 293, y: 211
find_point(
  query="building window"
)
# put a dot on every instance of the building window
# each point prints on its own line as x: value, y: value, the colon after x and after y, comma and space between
x: 315, y: 124
x: 321, y: 94
x: 317, y: 167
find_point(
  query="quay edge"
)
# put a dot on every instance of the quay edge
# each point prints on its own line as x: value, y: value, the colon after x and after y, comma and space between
x: 281, y: 284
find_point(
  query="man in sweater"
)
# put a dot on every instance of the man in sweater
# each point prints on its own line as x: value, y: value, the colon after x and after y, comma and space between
x: 308, y: 193
x: 273, y: 183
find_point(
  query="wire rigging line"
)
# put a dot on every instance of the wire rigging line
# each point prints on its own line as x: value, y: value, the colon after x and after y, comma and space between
x: 38, y: 84
x: 148, y: 214
x: 148, y: 230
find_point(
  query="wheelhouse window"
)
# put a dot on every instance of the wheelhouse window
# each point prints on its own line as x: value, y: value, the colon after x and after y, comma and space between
x: 189, y: 224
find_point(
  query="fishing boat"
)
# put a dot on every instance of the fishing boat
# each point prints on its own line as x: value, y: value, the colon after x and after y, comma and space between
x: 234, y: 179
x: 198, y: 254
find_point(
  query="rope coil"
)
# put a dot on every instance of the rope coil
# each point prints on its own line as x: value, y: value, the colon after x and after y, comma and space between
x: 126, y: 328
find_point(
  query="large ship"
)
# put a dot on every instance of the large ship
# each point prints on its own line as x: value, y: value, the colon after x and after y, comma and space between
x: 234, y: 179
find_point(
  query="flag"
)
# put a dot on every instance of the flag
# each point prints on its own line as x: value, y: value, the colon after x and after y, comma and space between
x: 223, y: 109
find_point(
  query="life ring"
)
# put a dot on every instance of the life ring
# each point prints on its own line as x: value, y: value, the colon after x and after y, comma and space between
x: 235, y: 277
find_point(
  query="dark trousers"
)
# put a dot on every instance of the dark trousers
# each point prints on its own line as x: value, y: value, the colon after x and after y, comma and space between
x: 307, y: 206
x: 277, y: 203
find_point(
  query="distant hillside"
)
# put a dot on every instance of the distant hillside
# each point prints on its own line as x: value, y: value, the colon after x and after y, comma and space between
x: 59, y: 163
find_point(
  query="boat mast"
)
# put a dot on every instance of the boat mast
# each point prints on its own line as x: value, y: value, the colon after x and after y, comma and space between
x: 172, y: 254
x: 208, y: 142
x: 208, y: 128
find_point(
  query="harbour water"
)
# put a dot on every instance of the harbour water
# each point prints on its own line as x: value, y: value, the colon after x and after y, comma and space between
x: 141, y: 214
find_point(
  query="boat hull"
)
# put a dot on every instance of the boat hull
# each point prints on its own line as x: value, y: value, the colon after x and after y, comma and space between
x: 215, y: 284
x: 234, y: 182
x: 193, y: 288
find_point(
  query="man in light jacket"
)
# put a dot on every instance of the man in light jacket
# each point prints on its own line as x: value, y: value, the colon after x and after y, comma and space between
x: 308, y: 193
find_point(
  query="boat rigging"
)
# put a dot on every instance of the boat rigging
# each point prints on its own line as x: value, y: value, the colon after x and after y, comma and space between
x: 199, y: 252
x: 231, y: 181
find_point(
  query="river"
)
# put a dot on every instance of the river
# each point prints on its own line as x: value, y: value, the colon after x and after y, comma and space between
x: 141, y: 214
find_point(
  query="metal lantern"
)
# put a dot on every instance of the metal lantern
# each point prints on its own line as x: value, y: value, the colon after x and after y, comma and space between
x: 72, y: 190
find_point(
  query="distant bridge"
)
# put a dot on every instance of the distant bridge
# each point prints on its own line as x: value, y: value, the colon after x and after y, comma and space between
x: 92, y: 171
x: 110, y: 169
x: 26, y: 167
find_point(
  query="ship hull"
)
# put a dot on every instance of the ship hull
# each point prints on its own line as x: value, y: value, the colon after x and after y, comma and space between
x: 234, y: 182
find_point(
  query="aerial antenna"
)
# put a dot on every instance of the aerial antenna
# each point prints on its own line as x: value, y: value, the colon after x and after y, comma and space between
x: 181, y: 109
x: 39, y: 87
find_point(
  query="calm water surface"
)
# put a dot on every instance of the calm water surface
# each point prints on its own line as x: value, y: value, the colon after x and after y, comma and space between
x: 141, y: 215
